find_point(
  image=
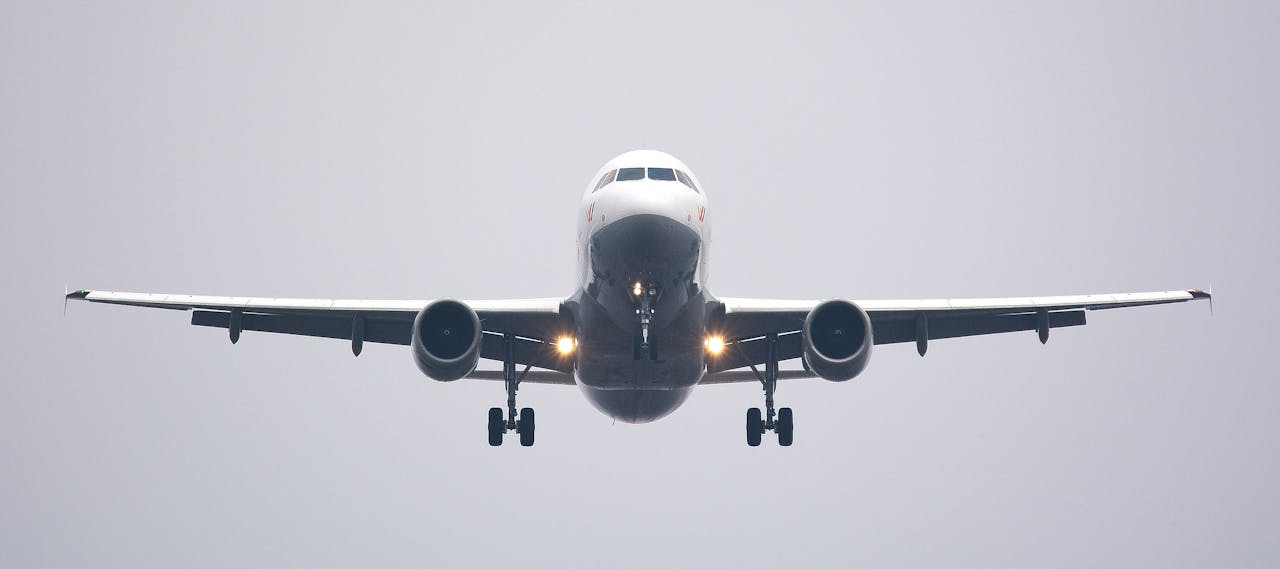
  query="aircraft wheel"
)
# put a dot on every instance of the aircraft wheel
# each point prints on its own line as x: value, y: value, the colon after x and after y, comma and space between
x: 755, y: 427
x: 497, y: 426
x: 525, y: 427
x: 786, y: 426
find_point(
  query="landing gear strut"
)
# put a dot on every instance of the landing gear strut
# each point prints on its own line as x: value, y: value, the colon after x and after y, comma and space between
x: 781, y: 421
x: 524, y: 424
x: 645, y: 296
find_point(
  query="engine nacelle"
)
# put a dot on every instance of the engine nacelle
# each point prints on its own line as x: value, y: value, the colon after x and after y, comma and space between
x: 837, y: 340
x: 446, y: 340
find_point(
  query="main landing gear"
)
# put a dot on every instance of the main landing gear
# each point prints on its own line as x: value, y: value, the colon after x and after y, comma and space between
x: 782, y: 421
x: 524, y: 424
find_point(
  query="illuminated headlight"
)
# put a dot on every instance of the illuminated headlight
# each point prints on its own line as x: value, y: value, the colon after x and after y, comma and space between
x: 715, y: 345
x: 638, y: 289
x: 565, y: 345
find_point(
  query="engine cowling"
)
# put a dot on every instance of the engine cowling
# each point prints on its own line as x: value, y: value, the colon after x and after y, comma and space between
x: 837, y: 340
x: 446, y: 340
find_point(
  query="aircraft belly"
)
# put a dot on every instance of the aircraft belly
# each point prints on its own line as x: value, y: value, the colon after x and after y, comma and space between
x: 620, y: 379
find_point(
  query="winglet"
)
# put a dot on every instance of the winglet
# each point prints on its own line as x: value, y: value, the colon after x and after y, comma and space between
x: 1198, y: 294
x: 66, y: 296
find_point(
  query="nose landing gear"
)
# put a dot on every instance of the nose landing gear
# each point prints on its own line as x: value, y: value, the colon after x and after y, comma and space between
x: 645, y: 296
x: 524, y: 423
x: 782, y: 421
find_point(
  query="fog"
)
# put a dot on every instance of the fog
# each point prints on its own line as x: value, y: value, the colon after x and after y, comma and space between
x: 423, y: 150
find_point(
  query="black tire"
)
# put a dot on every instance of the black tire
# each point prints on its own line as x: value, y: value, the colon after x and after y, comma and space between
x: 755, y: 427
x: 526, y: 426
x: 786, y: 426
x: 497, y: 427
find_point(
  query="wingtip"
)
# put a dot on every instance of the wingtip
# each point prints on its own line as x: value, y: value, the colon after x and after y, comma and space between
x: 72, y: 295
x: 1198, y: 294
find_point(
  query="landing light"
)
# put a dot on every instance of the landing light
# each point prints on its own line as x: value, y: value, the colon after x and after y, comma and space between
x: 566, y: 344
x: 715, y: 345
x: 638, y: 289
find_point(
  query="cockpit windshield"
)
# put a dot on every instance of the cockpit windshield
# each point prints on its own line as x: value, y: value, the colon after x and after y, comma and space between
x: 628, y: 174
x: 684, y: 179
x: 632, y: 174
x: 664, y: 174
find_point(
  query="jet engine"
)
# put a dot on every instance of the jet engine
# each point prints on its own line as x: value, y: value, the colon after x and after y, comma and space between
x: 837, y: 340
x: 446, y: 340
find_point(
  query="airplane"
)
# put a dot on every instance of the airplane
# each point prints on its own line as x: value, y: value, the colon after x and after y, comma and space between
x: 642, y: 329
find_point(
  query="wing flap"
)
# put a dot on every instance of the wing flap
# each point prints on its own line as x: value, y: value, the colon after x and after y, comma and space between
x: 744, y: 353
x: 748, y: 376
x: 534, y: 376
x: 382, y: 331
x: 527, y: 351
x: 898, y: 330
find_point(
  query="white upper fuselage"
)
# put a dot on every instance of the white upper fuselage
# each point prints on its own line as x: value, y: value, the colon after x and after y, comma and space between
x: 617, y: 200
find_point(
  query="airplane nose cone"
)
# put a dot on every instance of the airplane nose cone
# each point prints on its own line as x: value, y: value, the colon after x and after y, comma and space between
x: 646, y: 243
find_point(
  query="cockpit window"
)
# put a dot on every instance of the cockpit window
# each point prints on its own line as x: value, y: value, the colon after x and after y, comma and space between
x: 664, y: 174
x: 604, y: 180
x: 684, y: 179
x: 628, y: 174
x: 631, y: 174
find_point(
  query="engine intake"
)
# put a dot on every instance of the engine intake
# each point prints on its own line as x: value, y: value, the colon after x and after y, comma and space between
x: 837, y: 340
x: 446, y: 340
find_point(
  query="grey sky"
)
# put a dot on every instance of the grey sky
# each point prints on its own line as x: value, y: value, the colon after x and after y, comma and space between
x: 421, y: 150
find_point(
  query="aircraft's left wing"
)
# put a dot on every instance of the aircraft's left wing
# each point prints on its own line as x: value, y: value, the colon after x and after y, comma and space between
x: 919, y: 321
x: 532, y: 321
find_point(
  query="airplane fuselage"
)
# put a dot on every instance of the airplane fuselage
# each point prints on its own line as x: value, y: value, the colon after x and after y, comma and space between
x: 643, y: 245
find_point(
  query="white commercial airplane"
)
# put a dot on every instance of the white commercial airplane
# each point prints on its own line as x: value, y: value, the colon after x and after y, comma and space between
x: 642, y: 328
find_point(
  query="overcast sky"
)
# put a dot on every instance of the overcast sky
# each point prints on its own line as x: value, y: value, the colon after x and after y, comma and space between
x: 422, y: 150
